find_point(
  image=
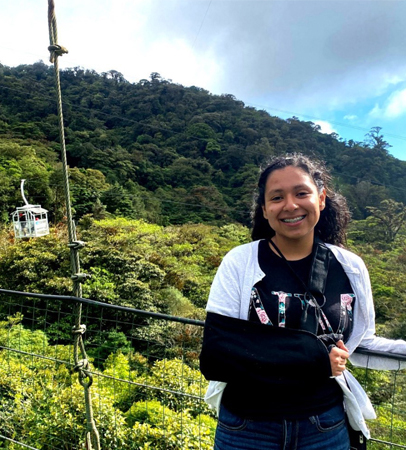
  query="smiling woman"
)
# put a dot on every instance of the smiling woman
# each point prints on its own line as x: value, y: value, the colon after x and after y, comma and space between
x: 285, y: 385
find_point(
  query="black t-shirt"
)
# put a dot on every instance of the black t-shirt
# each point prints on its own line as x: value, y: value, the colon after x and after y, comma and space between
x: 278, y: 300
x: 281, y: 294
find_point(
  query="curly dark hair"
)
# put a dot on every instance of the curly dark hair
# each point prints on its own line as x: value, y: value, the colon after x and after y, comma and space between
x: 334, y: 218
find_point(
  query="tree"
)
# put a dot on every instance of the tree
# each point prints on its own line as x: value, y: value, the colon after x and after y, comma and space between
x: 363, y: 195
x: 87, y: 186
x: 389, y: 218
x: 374, y: 139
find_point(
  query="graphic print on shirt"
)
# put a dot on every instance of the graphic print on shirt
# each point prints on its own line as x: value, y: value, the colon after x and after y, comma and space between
x: 346, y: 309
x: 301, y: 297
x: 282, y: 307
x: 257, y: 304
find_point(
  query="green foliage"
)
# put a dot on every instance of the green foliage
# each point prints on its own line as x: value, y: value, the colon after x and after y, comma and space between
x: 388, y: 219
x: 140, y: 261
x: 42, y: 403
x: 362, y: 195
x: 388, y: 287
x: 87, y: 186
x: 377, y: 385
x: 168, y: 429
x: 131, y: 263
x: 140, y: 402
x: 20, y: 160
x: 38, y: 265
x: 174, y: 375
x: 25, y: 340
x: 162, y: 152
x: 176, y: 303
x: 115, y: 341
x: 386, y: 421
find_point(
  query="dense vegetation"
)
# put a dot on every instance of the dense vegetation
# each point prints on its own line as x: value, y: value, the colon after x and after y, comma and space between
x: 162, y: 178
x: 162, y: 152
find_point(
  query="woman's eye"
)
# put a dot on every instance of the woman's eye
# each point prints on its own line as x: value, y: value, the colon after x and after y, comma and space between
x: 302, y: 194
x: 276, y: 199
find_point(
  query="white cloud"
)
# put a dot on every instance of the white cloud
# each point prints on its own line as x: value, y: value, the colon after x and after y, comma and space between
x: 24, y: 32
x: 376, y: 111
x: 350, y: 117
x: 325, y: 127
x: 394, y: 106
x: 175, y: 59
x: 133, y: 37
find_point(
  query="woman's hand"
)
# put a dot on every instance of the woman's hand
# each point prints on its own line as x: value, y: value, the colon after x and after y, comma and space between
x: 338, y: 358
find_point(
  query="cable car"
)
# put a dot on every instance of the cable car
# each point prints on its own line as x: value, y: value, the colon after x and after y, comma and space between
x: 30, y: 220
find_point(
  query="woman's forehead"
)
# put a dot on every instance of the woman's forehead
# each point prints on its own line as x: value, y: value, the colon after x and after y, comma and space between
x: 289, y: 176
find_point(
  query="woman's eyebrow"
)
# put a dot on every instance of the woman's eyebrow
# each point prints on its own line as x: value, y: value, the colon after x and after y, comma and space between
x: 295, y: 188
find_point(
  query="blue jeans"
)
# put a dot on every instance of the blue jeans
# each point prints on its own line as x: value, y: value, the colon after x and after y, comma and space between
x: 327, y: 431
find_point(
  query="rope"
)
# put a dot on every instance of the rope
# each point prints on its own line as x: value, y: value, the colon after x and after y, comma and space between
x: 55, y: 49
x: 81, y: 365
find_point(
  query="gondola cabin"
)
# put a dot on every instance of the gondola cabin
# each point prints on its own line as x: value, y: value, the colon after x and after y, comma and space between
x: 30, y: 220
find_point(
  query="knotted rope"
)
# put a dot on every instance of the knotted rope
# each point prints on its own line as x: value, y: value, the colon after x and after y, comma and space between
x: 81, y: 365
x: 54, y: 48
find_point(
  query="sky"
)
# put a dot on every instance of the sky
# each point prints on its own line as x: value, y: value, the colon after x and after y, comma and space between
x: 340, y: 64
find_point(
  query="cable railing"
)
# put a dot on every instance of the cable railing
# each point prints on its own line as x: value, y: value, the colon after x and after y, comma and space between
x: 147, y: 390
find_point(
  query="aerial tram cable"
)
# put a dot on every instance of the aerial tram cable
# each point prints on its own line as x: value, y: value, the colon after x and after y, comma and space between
x: 81, y: 365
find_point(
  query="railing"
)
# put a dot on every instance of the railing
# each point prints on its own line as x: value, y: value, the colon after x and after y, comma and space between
x: 146, y: 388
x: 387, y: 390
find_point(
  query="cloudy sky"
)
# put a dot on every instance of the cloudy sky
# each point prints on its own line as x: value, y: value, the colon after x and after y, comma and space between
x: 338, y: 63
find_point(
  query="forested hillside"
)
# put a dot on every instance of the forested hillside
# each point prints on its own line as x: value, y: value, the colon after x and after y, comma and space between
x: 163, y: 152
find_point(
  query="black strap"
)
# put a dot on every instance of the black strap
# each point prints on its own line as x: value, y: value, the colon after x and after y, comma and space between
x: 319, y: 270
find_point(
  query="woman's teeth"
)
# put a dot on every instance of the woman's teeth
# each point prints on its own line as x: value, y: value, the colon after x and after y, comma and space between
x: 295, y: 219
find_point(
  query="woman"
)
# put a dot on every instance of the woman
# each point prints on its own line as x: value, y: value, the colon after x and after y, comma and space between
x: 284, y: 385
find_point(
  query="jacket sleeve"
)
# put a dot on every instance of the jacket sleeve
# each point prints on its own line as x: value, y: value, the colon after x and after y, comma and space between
x: 370, y: 340
x: 239, y: 350
x: 225, y: 292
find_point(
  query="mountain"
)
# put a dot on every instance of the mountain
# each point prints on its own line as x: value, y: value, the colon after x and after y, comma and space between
x: 163, y: 152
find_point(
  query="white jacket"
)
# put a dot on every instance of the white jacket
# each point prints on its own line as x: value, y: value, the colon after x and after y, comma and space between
x: 230, y: 296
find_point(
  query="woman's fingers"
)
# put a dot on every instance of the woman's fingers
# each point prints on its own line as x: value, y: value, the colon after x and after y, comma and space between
x: 338, y: 359
x: 340, y: 344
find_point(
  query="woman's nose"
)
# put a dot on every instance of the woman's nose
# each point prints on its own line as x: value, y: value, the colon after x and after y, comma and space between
x: 290, y: 203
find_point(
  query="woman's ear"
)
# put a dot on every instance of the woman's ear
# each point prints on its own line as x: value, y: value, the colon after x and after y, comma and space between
x: 322, y: 199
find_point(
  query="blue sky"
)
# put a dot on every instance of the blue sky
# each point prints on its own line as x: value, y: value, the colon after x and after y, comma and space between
x: 341, y: 64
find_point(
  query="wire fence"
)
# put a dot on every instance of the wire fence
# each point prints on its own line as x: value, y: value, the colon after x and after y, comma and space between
x: 147, y: 389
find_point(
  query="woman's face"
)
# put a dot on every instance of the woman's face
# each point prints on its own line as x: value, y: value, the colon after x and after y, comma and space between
x: 292, y: 205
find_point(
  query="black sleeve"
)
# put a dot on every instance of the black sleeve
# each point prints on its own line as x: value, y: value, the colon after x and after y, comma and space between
x: 239, y: 350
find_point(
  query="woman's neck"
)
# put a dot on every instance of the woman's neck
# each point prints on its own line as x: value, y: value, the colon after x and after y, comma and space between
x: 293, y: 249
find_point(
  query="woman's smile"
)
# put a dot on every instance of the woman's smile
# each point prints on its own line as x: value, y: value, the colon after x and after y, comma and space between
x: 293, y: 220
